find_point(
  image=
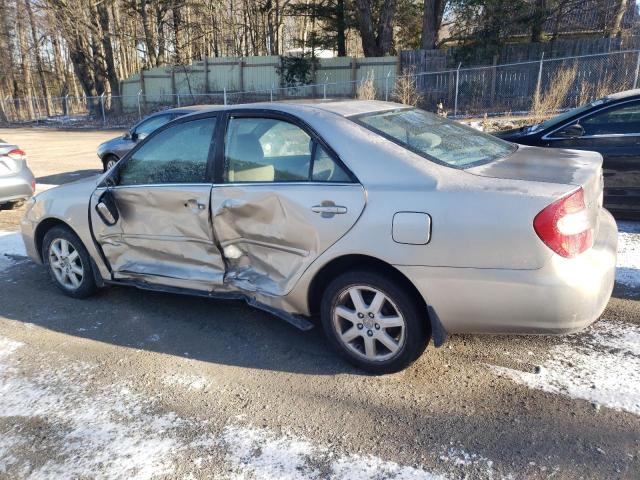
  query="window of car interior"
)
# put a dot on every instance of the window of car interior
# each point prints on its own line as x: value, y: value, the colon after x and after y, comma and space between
x: 178, y: 154
x: 617, y: 120
x: 263, y: 149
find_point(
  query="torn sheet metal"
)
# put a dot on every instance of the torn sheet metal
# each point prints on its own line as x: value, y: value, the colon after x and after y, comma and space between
x: 270, y: 234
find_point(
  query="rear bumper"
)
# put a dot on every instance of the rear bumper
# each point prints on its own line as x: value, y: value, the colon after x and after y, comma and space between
x: 564, y: 296
x: 16, y: 187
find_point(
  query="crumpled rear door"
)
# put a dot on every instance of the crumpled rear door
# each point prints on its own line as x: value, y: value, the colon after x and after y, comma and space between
x: 270, y: 234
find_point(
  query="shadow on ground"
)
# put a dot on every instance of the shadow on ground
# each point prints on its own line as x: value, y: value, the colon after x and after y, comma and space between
x: 67, y: 177
x: 225, y: 332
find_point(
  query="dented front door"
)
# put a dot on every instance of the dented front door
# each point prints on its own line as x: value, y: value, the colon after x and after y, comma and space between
x: 284, y: 199
x: 163, y: 235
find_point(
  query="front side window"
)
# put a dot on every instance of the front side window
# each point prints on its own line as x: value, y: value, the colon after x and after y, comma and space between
x: 151, y: 124
x: 435, y: 138
x: 261, y: 149
x: 178, y: 154
x: 618, y: 120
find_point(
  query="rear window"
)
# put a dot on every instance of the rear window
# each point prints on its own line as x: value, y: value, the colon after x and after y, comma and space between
x: 435, y: 138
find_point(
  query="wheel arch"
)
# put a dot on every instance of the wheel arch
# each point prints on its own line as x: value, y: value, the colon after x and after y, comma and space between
x: 350, y: 262
x: 44, y: 226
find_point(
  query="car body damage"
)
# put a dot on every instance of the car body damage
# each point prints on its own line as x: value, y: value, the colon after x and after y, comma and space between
x: 268, y: 238
x: 163, y: 236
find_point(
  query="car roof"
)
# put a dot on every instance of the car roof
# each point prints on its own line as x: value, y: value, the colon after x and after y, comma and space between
x: 622, y: 95
x: 344, y: 108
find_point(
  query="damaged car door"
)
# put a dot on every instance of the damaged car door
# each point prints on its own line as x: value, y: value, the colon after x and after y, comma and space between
x: 161, y: 232
x: 284, y: 198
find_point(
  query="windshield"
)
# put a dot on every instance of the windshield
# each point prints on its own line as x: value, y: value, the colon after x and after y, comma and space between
x: 565, y: 115
x: 435, y: 138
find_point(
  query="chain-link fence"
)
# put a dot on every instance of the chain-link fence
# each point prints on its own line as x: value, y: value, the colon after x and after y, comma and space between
x: 517, y: 88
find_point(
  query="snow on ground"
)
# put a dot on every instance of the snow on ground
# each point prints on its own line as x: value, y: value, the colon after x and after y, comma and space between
x: 10, y: 245
x: 261, y: 454
x: 628, y: 272
x: 600, y: 365
x: 89, y: 430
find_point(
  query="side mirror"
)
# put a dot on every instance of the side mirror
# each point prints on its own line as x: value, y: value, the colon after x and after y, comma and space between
x: 107, y: 209
x: 133, y: 136
x: 572, y: 131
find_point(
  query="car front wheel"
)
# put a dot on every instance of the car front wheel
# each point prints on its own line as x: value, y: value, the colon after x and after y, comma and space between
x: 373, y: 321
x: 68, y: 262
x: 109, y: 162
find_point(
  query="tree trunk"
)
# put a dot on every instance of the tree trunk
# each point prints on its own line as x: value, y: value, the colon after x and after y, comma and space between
x: 341, y: 27
x: 367, y: 31
x: 431, y: 22
x: 616, y: 26
x: 25, y: 65
x: 36, y: 52
x: 377, y: 39
x: 152, y: 58
x: 107, y: 47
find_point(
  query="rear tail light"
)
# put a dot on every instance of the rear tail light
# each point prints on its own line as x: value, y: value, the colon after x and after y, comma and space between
x: 16, y: 154
x: 565, y: 226
x: 33, y: 185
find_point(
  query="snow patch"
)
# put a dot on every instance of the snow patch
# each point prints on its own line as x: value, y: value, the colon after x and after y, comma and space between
x: 107, y: 433
x: 10, y: 245
x: 259, y: 453
x: 191, y: 382
x: 628, y: 271
x: 600, y: 365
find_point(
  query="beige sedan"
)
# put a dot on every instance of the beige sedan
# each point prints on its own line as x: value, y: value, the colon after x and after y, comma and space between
x: 393, y: 225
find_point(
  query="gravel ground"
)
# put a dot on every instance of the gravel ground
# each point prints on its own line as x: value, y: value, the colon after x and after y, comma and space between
x: 134, y: 384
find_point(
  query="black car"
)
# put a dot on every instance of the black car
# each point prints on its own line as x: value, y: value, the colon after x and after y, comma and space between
x: 113, y: 150
x: 610, y: 126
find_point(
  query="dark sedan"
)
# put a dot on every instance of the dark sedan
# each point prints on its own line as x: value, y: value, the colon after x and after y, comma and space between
x: 610, y: 126
x: 113, y: 150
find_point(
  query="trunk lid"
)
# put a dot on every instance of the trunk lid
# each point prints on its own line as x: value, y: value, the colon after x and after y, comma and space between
x: 536, y: 164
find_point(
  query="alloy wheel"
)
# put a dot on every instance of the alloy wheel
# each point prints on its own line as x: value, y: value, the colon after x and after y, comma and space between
x: 368, y: 323
x: 111, y: 163
x: 66, y: 263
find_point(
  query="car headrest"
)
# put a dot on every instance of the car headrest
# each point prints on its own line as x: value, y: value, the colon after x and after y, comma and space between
x: 246, y: 148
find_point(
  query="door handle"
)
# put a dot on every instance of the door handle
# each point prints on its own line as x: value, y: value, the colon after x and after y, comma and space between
x: 328, y: 210
x: 194, y: 204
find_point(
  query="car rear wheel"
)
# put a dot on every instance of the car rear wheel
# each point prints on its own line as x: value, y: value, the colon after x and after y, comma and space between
x: 68, y: 262
x: 109, y: 162
x: 374, y: 322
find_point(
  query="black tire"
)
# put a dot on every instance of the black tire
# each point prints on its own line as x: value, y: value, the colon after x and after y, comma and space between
x: 106, y: 160
x: 416, y: 323
x: 87, y: 285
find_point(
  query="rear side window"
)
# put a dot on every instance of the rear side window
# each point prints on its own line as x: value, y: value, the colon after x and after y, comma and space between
x: 435, y: 138
x: 619, y: 120
x: 178, y: 154
x: 259, y: 149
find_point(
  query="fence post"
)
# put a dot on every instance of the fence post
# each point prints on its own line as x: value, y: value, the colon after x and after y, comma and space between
x: 104, y: 119
x: 139, y: 111
x: 386, y: 86
x: 178, y: 98
x: 539, y: 84
x: 206, y: 74
x: 354, y: 77
x: 65, y: 113
x: 324, y: 87
x: 224, y: 95
x: 455, y: 102
x: 635, y: 79
x: 271, y: 93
